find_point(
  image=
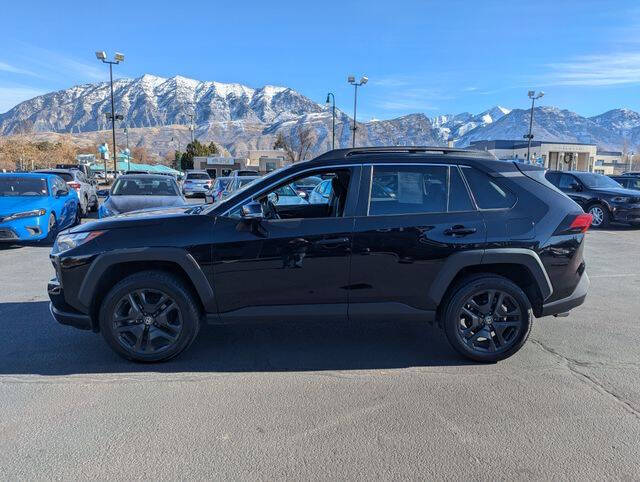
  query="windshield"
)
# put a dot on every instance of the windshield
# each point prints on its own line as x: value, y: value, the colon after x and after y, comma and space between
x: 23, y: 186
x: 597, y: 181
x: 199, y: 176
x: 144, y: 187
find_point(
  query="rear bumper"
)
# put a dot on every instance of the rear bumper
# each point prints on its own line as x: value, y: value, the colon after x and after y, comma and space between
x: 573, y: 300
x: 62, y: 312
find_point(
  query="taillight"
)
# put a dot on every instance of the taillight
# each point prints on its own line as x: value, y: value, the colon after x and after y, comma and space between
x: 581, y: 223
x: 74, y: 185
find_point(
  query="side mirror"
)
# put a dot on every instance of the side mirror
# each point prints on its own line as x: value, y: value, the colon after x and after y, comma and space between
x: 252, y: 211
x: 61, y: 193
x: 102, y: 192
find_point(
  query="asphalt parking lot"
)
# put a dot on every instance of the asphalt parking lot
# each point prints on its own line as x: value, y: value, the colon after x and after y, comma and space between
x: 300, y: 400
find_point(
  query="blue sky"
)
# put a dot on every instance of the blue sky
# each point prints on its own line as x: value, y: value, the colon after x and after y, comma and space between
x: 420, y: 56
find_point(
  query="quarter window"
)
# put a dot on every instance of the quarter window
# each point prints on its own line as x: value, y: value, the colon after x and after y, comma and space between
x: 416, y: 189
x: 488, y: 193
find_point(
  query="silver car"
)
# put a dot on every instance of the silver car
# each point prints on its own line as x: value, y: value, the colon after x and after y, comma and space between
x: 84, y: 188
x: 196, y: 183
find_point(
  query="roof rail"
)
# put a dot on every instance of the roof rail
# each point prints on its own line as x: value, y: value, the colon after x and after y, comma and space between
x: 344, y: 153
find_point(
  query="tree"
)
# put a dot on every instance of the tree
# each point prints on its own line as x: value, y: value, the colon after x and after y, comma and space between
x: 196, y: 149
x: 297, y: 144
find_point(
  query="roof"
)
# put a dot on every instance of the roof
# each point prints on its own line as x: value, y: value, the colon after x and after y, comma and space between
x: 402, y: 151
x: 143, y: 176
x: 68, y: 171
x: 27, y: 174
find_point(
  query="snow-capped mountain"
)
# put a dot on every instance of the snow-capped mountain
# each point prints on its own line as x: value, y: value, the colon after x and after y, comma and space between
x: 451, y: 126
x: 157, y: 111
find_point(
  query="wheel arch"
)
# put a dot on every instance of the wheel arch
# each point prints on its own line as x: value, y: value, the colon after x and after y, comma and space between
x: 522, y: 266
x: 109, y: 268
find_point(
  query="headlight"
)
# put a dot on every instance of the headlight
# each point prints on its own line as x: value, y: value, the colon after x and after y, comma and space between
x: 620, y: 199
x: 65, y: 242
x: 26, y: 214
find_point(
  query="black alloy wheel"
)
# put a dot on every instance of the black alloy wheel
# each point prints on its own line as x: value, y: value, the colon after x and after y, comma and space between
x: 149, y: 316
x: 487, y: 318
x: 147, y: 321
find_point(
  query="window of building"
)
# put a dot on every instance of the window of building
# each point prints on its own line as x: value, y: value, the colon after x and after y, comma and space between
x: 488, y: 193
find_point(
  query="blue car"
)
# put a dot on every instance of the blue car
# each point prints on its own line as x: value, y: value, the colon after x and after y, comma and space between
x: 35, y: 207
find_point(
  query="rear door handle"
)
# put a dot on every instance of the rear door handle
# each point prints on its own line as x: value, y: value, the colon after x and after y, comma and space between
x: 459, y: 230
x: 332, y: 242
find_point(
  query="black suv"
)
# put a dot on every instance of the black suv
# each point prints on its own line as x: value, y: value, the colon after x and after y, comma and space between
x: 628, y: 182
x: 599, y: 195
x: 427, y: 234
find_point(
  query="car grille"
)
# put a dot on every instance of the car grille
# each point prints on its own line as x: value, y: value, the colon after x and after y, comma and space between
x: 6, y: 233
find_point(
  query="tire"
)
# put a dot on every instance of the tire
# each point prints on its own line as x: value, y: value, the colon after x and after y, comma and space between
x: 166, y: 335
x: 53, y: 229
x: 505, y: 335
x: 603, y: 216
x: 78, y: 218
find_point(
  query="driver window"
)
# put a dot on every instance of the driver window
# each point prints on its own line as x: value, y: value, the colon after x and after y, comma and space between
x: 317, y: 195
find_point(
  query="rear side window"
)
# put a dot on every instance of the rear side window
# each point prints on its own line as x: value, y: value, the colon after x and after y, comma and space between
x: 488, y: 193
x: 415, y: 190
x: 566, y: 181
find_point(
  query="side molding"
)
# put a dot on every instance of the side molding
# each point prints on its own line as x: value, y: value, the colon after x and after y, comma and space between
x: 173, y: 255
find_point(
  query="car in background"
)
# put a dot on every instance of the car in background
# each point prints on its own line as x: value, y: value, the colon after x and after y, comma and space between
x: 243, y: 172
x: 219, y: 185
x: 196, y: 183
x: 139, y: 171
x: 84, y: 188
x: 599, y: 195
x: 304, y: 186
x: 631, y: 173
x: 84, y: 168
x: 628, y: 182
x: 236, y: 184
x: 283, y: 196
x: 321, y: 193
x: 35, y: 207
x: 134, y: 192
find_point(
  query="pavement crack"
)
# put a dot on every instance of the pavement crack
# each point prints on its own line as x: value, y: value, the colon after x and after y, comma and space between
x: 574, y: 366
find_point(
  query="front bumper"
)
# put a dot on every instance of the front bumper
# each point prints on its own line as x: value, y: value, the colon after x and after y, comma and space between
x: 573, y: 300
x: 62, y: 312
x: 626, y: 214
x: 34, y: 228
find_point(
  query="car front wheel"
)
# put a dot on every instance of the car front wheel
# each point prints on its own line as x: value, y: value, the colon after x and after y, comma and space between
x: 601, y: 216
x: 487, y: 318
x: 149, y: 316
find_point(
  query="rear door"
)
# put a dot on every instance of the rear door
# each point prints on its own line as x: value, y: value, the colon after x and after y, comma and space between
x: 412, y: 217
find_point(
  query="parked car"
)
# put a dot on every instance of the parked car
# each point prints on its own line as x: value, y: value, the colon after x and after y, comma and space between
x: 236, y: 183
x: 34, y: 207
x: 84, y: 188
x: 133, y: 192
x: 304, y: 186
x: 599, y: 195
x: 243, y: 172
x: 628, y: 182
x: 219, y: 185
x: 477, y: 245
x: 631, y: 173
x: 196, y: 183
x: 84, y: 168
x: 321, y: 193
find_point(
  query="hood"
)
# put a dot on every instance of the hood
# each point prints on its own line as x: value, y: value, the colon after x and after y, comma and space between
x: 125, y: 204
x: 147, y: 217
x: 16, y: 204
x: 613, y: 191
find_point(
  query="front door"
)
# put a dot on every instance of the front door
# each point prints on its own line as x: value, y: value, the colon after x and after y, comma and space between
x: 296, y: 265
x: 415, y: 217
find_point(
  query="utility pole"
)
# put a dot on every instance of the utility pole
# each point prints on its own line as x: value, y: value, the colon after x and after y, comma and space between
x: 117, y: 58
x: 533, y: 97
x: 352, y: 81
x: 333, y: 122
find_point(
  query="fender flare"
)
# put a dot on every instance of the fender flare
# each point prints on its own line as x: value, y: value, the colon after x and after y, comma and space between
x: 174, y: 255
x: 464, y: 259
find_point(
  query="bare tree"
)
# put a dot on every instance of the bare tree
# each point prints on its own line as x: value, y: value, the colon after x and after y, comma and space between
x: 297, y: 144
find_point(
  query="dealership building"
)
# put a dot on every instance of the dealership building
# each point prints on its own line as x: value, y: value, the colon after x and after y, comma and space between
x: 563, y: 156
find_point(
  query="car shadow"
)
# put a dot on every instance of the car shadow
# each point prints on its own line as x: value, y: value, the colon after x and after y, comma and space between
x: 32, y: 343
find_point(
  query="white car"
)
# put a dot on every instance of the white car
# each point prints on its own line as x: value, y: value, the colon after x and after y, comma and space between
x: 84, y: 188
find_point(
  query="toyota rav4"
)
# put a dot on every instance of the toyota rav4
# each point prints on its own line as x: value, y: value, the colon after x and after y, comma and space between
x: 450, y: 236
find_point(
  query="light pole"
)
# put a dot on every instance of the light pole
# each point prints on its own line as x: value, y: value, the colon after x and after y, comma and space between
x: 352, y: 81
x: 333, y: 122
x: 117, y: 58
x: 533, y: 96
x: 126, y: 133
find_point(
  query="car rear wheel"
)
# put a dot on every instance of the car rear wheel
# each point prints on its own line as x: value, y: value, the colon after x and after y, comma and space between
x: 601, y: 216
x: 149, y: 317
x: 487, y: 318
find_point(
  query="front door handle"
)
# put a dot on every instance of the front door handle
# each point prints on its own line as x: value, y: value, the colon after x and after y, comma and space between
x: 459, y: 230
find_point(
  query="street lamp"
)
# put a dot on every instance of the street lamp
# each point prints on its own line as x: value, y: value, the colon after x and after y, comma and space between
x: 533, y: 96
x: 352, y: 80
x: 128, y: 152
x: 333, y: 122
x: 117, y: 58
